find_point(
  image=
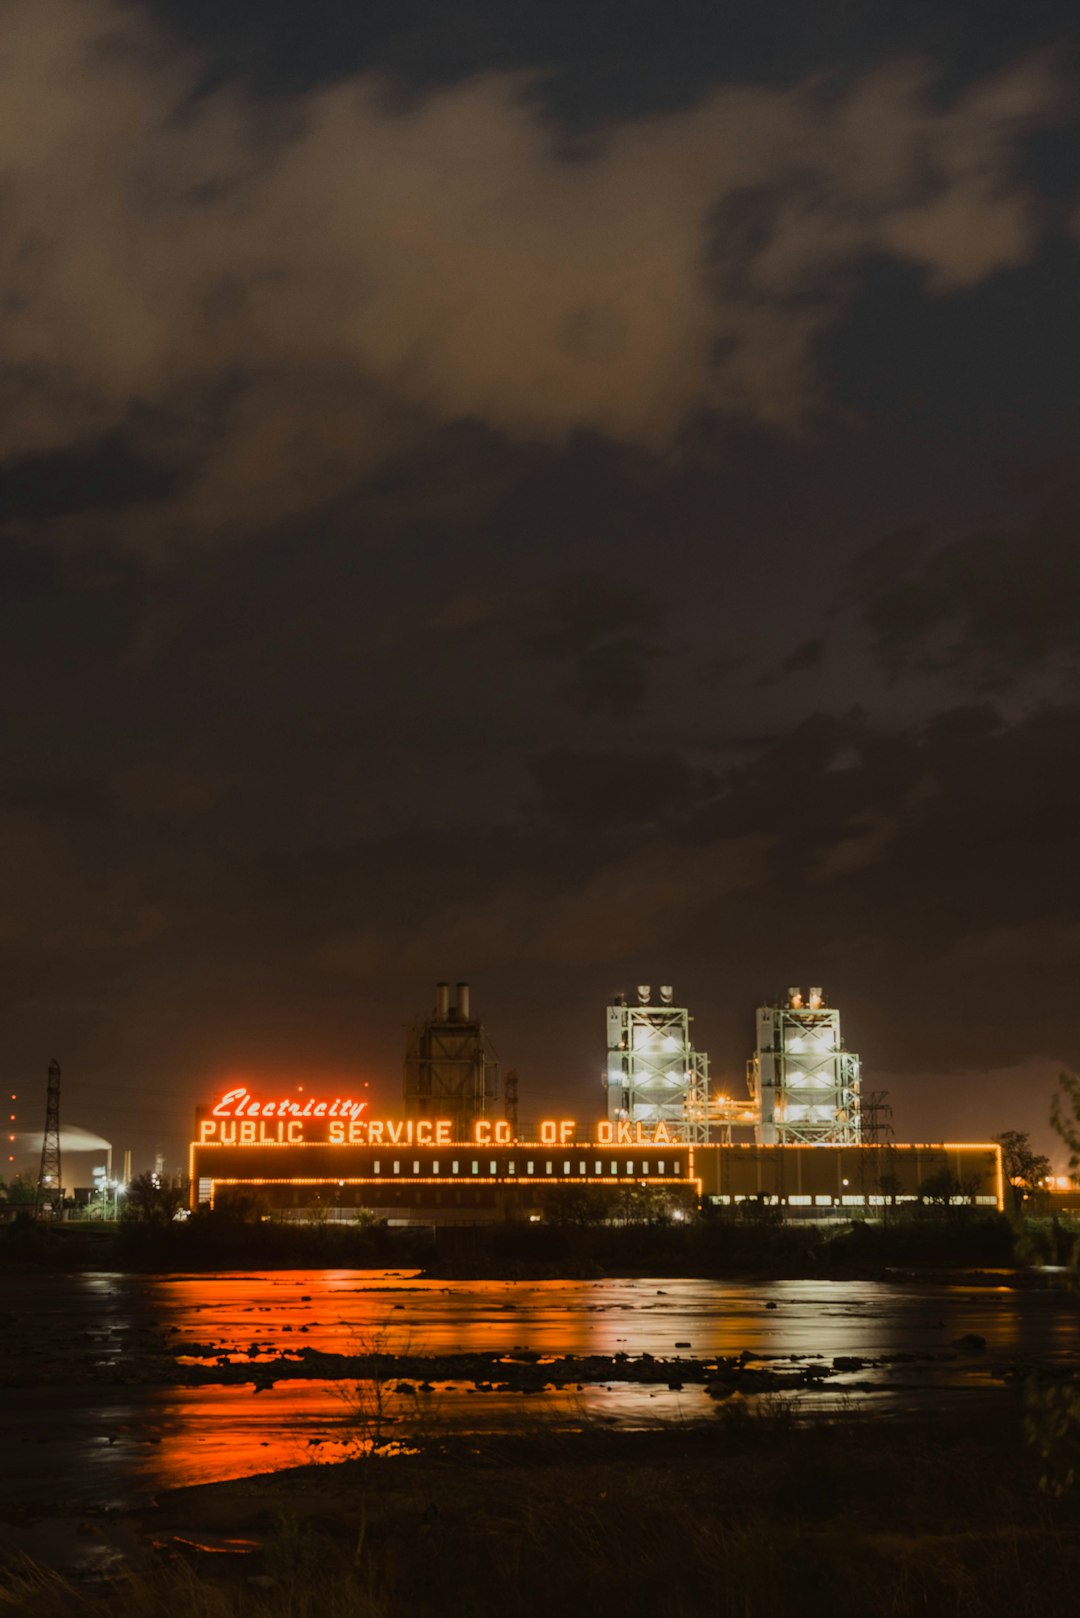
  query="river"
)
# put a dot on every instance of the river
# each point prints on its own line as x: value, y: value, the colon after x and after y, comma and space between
x: 81, y: 1423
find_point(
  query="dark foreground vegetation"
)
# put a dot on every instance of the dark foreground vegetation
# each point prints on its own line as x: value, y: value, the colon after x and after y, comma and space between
x: 749, y: 1516
x: 718, y: 1245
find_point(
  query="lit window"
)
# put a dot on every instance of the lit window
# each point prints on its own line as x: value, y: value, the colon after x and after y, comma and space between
x: 455, y: 1166
x: 511, y: 1167
x: 493, y: 1168
x: 397, y: 1165
x: 566, y: 1168
x: 475, y: 1166
x: 660, y: 1166
x: 822, y: 1202
x: 435, y: 1166
x: 614, y: 1168
x: 548, y: 1166
x: 377, y: 1166
x: 530, y: 1166
x: 599, y: 1168
x: 416, y: 1165
x: 582, y: 1168
x: 677, y: 1168
x: 644, y: 1168
x: 630, y: 1167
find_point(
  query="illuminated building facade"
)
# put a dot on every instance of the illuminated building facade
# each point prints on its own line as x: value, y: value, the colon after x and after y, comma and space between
x: 296, y: 1152
x: 452, y: 1160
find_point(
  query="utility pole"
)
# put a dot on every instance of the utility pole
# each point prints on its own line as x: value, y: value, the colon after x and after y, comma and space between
x: 50, y: 1186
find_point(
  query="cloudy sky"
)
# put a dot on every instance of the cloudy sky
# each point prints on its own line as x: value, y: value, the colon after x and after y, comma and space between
x: 561, y: 495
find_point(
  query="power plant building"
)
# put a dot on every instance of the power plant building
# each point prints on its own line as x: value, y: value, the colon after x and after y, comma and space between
x: 654, y: 1075
x: 448, y: 1157
x: 804, y: 1085
x: 449, y: 1069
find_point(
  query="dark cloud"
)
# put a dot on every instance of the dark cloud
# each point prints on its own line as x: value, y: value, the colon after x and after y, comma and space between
x: 809, y: 655
x: 592, y: 790
x: 102, y: 475
x: 988, y: 608
x: 604, y: 631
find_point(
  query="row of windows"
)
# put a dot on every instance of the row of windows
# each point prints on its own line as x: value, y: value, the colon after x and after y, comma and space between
x: 798, y: 1201
x: 600, y: 1166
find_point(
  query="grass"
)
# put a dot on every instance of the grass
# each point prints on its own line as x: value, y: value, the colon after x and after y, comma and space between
x: 749, y: 1516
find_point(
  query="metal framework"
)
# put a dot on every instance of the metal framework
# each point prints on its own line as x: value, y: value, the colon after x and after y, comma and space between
x: 805, y: 1083
x: 50, y: 1186
x: 449, y: 1071
x: 653, y: 1073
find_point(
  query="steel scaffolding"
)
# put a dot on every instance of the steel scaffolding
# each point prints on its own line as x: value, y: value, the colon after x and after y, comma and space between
x: 653, y: 1073
x: 804, y: 1082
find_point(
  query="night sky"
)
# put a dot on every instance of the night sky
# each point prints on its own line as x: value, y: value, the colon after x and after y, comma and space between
x: 561, y: 495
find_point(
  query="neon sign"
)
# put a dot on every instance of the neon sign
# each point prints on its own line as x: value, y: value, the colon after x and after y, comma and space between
x: 240, y: 1103
x: 240, y: 1118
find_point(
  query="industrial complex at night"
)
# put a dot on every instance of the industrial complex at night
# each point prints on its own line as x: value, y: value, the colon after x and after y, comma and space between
x: 455, y: 1152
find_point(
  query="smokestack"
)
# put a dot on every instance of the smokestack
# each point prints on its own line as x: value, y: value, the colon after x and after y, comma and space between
x: 644, y: 993
x: 463, y: 1002
x: 667, y: 994
x: 442, y: 1002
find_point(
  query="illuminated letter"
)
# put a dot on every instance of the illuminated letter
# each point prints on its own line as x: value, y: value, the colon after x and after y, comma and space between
x: 395, y: 1132
x: 374, y: 1130
x: 337, y: 1132
x: 296, y: 1132
x: 227, y: 1104
x: 247, y: 1132
x: 483, y: 1131
x: 227, y: 1133
x: 423, y: 1132
x: 502, y: 1133
x: 207, y: 1127
x: 566, y: 1131
x: 442, y: 1131
x: 605, y: 1133
x: 661, y: 1137
x: 357, y: 1131
x: 320, y: 1109
x: 547, y: 1132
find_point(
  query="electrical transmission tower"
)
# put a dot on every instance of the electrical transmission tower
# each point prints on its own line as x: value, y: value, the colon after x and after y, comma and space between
x: 877, y: 1126
x: 50, y: 1186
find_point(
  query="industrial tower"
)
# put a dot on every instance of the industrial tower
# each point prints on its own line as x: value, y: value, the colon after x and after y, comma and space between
x: 449, y: 1071
x: 653, y: 1073
x: 801, y: 1077
x: 50, y: 1186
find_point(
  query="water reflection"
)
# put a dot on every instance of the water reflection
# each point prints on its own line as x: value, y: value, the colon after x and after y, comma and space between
x: 82, y: 1421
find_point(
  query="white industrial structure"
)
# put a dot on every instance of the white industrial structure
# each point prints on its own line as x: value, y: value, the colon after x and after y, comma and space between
x: 653, y: 1073
x: 802, y: 1080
